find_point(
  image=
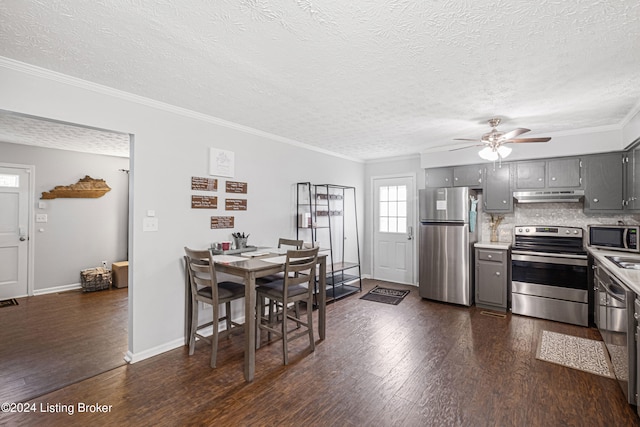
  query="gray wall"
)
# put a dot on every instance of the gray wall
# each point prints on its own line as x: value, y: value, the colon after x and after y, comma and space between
x: 80, y: 233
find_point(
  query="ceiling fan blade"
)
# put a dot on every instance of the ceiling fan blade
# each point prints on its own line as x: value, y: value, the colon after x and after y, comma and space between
x: 468, y: 146
x: 514, y: 133
x: 467, y: 139
x: 519, y: 140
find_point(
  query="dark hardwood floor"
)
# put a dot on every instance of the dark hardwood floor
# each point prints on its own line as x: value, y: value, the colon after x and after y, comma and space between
x: 50, y: 341
x: 419, y: 363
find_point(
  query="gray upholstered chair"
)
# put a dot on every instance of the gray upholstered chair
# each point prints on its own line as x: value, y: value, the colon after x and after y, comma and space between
x: 292, y: 288
x: 206, y: 288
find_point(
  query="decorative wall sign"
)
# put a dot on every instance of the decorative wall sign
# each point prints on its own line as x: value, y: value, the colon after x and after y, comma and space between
x: 204, y: 202
x: 236, y: 187
x: 222, y: 221
x: 221, y: 162
x: 235, y: 204
x: 85, y: 188
x: 204, y: 184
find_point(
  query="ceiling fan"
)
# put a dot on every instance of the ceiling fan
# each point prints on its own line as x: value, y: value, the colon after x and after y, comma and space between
x: 494, y: 141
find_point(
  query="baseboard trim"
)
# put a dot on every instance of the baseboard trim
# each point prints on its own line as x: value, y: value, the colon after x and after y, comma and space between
x: 171, y: 345
x: 55, y: 289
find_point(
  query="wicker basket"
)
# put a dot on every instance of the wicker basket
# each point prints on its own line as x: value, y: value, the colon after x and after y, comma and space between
x: 95, y: 279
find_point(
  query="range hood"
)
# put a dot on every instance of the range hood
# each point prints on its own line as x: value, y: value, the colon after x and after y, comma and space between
x: 561, y: 196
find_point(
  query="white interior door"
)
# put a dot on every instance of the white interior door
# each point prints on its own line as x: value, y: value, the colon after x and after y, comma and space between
x: 393, y: 235
x: 14, y: 232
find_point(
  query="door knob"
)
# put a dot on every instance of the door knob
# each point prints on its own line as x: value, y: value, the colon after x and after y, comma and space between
x: 22, y: 238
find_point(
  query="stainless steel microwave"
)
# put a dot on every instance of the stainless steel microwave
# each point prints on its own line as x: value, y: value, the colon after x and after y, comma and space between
x: 614, y: 237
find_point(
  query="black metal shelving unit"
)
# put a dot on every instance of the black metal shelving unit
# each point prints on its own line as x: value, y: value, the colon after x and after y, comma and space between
x: 326, y: 213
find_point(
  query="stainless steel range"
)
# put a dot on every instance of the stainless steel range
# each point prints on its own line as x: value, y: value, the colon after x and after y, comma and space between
x: 549, y: 274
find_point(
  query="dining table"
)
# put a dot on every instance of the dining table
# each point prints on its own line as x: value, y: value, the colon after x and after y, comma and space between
x: 250, y: 267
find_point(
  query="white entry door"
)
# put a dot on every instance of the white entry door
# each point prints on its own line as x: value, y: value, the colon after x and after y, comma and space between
x: 393, y: 236
x: 14, y: 232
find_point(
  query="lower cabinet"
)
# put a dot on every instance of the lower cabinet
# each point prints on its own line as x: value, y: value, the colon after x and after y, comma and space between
x: 492, y: 278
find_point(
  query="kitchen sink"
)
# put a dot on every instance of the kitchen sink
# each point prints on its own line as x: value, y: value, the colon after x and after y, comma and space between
x: 625, y: 262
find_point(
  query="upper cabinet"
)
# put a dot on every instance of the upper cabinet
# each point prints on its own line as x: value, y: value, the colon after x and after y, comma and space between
x: 557, y: 173
x: 497, y: 193
x: 468, y: 176
x: 603, y: 183
x: 439, y: 177
x: 457, y: 176
x: 632, y: 193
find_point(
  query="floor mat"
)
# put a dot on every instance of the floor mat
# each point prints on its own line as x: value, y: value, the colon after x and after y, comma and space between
x: 385, y: 295
x: 574, y: 352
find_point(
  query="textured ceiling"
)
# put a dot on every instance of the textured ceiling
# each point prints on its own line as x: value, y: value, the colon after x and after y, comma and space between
x: 21, y: 129
x: 365, y: 79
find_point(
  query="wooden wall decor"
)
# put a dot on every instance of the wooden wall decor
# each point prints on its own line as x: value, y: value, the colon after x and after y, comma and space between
x: 236, y: 187
x: 204, y: 184
x: 222, y: 221
x: 235, y: 204
x: 204, y: 202
x: 85, y: 188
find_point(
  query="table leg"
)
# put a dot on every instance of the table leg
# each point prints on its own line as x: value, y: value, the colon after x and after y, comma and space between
x: 250, y: 326
x: 322, y: 298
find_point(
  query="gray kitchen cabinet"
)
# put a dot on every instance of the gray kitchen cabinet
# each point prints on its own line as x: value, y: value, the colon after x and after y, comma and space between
x: 530, y: 175
x: 632, y: 175
x: 492, y: 278
x: 556, y: 173
x: 468, y: 176
x: 439, y: 177
x: 497, y: 194
x: 603, y: 183
x: 564, y: 173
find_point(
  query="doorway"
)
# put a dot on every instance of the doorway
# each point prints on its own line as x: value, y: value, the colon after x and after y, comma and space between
x: 90, y: 329
x: 15, y: 189
x: 393, y: 229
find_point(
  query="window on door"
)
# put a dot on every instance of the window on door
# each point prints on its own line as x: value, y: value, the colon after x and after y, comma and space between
x: 393, y: 209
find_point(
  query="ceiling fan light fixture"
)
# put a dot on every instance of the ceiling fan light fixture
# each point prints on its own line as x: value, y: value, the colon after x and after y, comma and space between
x: 489, y: 154
x: 504, y: 151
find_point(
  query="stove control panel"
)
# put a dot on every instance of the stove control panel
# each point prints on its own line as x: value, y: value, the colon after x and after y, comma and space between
x: 537, y: 230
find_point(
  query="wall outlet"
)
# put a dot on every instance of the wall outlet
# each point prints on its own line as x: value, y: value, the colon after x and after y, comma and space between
x: 104, y: 265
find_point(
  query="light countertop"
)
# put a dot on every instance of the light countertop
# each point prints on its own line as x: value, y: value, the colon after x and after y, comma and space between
x: 493, y: 245
x: 629, y: 277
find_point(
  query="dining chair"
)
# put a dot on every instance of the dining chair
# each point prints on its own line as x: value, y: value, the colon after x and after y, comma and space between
x: 283, y: 242
x: 293, y: 287
x: 206, y: 288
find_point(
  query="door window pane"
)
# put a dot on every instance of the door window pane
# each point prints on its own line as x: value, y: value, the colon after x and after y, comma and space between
x: 12, y: 181
x: 393, y: 209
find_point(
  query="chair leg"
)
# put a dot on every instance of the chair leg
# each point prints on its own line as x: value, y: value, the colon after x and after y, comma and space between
x: 227, y: 309
x: 194, y: 326
x: 312, y: 342
x: 296, y: 310
x: 259, y: 317
x: 285, y: 355
x: 214, y: 336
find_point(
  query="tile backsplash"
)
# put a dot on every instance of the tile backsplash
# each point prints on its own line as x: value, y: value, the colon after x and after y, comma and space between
x: 561, y: 214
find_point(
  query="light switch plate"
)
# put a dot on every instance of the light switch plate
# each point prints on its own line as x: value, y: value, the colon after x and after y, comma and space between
x: 41, y: 218
x: 150, y: 224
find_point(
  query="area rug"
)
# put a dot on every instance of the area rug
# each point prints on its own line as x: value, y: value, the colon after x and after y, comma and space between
x: 8, y: 302
x: 574, y: 352
x: 385, y: 295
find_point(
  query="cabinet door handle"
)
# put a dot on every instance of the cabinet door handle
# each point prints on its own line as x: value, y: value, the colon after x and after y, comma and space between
x: 595, y: 200
x: 553, y: 178
x: 504, y: 201
x: 497, y: 273
x: 489, y: 256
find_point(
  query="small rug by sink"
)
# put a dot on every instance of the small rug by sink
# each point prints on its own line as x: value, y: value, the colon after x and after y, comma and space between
x: 385, y: 295
x: 574, y: 352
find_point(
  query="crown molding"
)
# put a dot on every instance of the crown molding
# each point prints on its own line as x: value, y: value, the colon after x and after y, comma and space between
x: 116, y: 93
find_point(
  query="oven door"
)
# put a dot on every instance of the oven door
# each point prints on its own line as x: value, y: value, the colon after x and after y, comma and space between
x: 550, y: 286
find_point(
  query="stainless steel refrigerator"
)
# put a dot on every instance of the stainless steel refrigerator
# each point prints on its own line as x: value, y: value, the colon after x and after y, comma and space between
x: 448, y: 230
